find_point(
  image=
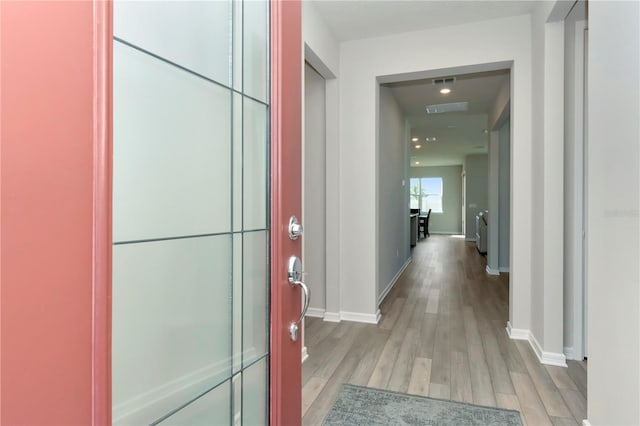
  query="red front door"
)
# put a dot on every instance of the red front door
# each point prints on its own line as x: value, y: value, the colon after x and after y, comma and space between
x: 56, y: 189
x: 286, y: 201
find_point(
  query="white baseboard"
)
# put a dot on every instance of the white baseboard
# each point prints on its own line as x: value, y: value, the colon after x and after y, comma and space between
x: 492, y: 271
x: 586, y: 422
x: 315, y: 312
x: 393, y: 282
x: 305, y: 354
x: 351, y: 316
x: 360, y: 317
x: 568, y: 352
x: 549, y: 358
x: 444, y: 232
x: 503, y: 269
x: 517, y: 333
x: 331, y: 316
x: 471, y: 240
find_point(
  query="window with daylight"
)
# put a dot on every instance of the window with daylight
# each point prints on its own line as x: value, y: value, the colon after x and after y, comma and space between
x: 426, y: 193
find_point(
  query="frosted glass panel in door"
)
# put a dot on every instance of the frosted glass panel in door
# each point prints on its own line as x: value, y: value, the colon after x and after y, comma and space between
x: 193, y: 34
x: 211, y: 409
x: 190, y: 209
x: 171, y: 324
x: 172, y: 150
x: 237, y: 162
x: 255, y: 49
x: 255, y: 310
x: 254, y: 394
x: 255, y: 148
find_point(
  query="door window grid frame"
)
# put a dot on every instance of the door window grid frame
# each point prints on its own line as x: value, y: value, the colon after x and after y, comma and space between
x: 234, y: 88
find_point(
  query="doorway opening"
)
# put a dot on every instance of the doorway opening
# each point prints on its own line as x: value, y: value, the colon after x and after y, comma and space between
x: 437, y: 303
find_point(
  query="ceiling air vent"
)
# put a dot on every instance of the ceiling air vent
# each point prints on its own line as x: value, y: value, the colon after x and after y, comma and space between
x: 446, y: 80
x: 452, y: 107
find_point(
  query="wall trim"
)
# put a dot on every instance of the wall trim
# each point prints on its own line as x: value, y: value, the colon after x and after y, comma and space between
x: 444, y: 232
x: 504, y: 269
x: 517, y: 333
x: 331, y: 316
x: 393, y: 281
x: 471, y: 240
x: 360, y: 317
x: 315, y: 312
x: 549, y: 358
x: 586, y: 422
x: 349, y: 316
x: 305, y: 354
x: 568, y: 352
x: 492, y: 271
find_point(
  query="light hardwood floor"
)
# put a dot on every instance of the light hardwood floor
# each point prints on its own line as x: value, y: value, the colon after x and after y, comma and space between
x: 442, y: 334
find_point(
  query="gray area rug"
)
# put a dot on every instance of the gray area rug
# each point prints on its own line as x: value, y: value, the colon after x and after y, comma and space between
x: 358, y: 405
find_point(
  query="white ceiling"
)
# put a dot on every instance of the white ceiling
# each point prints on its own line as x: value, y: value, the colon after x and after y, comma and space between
x: 357, y: 19
x: 457, y: 134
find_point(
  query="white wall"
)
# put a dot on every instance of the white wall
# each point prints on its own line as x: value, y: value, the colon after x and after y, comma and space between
x: 613, y: 231
x: 314, y: 196
x: 500, y: 110
x: 450, y: 221
x: 476, y: 168
x: 499, y: 194
x: 547, y: 190
x: 504, y: 186
x: 498, y: 43
x: 499, y: 188
x: 321, y: 50
x: 393, y: 209
x: 493, y: 203
x: 573, y: 180
x: 537, y: 160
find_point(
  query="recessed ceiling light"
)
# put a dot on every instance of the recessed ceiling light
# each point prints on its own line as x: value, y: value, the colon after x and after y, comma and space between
x: 445, y: 91
x: 418, y: 146
x: 433, y: 139
x: 414, y: 139
x: 417, y: 162
x: 485, y: 131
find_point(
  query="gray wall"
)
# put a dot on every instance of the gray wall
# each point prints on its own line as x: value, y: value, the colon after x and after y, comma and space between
x: 450, y: 221
x: 393, y: 208
x: 314, y: 201
x: 613, y: 230
x: 504, y: 198
x: 476, y: 169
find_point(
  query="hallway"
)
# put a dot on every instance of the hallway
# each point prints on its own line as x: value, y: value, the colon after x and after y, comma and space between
x: 442, y: 334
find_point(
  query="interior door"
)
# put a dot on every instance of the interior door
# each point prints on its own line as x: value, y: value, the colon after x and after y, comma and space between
x: 200, y: 234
